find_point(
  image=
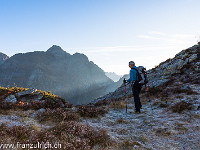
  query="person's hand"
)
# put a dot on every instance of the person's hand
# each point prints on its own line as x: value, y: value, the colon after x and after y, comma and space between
x: 124, y: 81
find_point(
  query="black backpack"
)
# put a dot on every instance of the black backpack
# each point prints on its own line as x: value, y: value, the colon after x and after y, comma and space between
x: 142, y: 75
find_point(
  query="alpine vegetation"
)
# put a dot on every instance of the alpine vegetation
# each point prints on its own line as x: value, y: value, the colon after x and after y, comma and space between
x: 154, y: 109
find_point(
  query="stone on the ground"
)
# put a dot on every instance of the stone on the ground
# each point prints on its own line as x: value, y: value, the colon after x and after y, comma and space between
x: 35, y: 97
x: 11, y: 99
x: 37, y: 111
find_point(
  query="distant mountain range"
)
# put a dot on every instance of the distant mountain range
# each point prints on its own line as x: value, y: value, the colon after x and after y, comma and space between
x: 113, y: 76
x: 73, y: 77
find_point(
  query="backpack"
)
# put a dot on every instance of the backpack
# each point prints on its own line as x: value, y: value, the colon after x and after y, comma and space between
x: 142, y: 75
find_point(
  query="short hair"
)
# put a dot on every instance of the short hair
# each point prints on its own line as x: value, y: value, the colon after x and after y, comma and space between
x: 131, y: 63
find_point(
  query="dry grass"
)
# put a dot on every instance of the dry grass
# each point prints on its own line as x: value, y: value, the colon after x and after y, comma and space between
x: 163, y: 132
x: 181, y: 106
x: 57, y: 115
x: 129, y: 144
x: 71, y: 135
x: 156, y: 103
x: 154, y: 91
x: 180, y: 127
x: 91, y: 111
x: 143, y: 138
x: 121, y: 120
x: 118, y: 104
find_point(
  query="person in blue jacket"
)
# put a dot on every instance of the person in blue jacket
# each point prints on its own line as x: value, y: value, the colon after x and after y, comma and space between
x: 136, y: 87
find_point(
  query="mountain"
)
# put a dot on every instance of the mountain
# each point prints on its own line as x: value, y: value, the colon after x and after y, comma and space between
x: 113, y: 76
x: 3, y: 57
x: 73, y: 77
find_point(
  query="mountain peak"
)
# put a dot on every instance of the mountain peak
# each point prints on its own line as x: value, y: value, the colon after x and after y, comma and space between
x: 3, y: 57
x: 57, y: 50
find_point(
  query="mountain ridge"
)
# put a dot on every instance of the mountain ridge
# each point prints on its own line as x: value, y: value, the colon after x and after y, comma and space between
x: 57, y: 71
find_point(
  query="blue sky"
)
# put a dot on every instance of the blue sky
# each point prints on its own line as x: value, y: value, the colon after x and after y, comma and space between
x: 109, y: 32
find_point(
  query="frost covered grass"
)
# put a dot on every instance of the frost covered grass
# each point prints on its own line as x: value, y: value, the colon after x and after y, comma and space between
x: 57, y: 115
x: 70, y: 134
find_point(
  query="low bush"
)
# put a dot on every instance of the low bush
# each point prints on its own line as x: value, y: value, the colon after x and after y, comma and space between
x: 121, y: 120
x: 57, y: 115
x: 163, y: 132
x: 91, y: 111
x: 188, y: 91
x: 118, y: 104
x: 102, y: 103
x: 129, y: 144
x: 181, y: 106
x: 163, y: 105
x: 154, y: 91
x: 71, y: 135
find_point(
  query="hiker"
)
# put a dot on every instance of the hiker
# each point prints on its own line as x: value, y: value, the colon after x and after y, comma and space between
x: 136, y: 87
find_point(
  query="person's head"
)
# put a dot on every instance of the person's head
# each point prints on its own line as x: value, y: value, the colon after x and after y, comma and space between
x: 131, y: 64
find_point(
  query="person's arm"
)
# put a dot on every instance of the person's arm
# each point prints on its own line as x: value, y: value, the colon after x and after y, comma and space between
x: 132, y: 75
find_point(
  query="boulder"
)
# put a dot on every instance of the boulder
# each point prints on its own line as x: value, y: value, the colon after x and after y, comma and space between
x: 11, y: 99
x: 31, y: 98
x: 27, y: 92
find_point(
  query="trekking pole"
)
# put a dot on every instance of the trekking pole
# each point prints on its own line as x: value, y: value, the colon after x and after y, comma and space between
x: 125, y: 93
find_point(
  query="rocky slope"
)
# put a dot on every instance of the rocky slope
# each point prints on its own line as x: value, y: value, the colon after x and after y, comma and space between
x: 183, y: 68
x: 73, y: 77
x: 170, y: 116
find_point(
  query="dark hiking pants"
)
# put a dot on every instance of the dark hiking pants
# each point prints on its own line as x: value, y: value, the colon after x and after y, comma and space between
x: 136, y: 88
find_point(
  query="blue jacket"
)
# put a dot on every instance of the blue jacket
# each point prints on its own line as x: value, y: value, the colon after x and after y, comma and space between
x: 133, y: 75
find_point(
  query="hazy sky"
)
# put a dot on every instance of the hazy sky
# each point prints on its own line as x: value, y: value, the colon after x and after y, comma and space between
x: 109, y: 32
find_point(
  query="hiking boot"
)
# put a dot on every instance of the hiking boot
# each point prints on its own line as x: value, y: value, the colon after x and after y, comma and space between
x: 137, y: 111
